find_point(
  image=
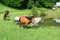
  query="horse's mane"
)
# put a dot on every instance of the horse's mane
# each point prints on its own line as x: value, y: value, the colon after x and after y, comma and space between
x: 29, y: 17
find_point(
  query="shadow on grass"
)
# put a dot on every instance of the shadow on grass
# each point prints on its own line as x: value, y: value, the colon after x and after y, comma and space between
x: 24, y: 26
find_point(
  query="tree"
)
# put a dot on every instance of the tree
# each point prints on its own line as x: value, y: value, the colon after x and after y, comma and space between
x: 29, y: 3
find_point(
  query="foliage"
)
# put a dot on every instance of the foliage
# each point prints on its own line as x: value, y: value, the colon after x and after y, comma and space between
x: 34, y: 12
x: 38, y: 13
x: 42, y: 14
x: 29, y: 3
x: 15, y: 3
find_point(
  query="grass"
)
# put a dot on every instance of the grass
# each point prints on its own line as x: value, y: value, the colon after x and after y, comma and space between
x: 10, y: 31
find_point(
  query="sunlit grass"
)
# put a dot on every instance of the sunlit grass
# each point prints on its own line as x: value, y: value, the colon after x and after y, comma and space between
x: 9, y: 30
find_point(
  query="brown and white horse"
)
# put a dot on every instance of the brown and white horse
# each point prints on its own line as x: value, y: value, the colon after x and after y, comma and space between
x: 24, y: 19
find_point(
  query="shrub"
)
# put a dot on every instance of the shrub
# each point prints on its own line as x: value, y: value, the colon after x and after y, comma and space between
x: 34, y: 12
x: 42, y: 14
x: 29, y: 3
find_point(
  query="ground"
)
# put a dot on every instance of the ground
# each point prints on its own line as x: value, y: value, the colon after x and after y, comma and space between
x: 9, y: 30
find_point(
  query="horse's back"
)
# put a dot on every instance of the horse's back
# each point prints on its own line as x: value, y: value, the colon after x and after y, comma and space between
x: 36, y: 20
x: 23, y: 19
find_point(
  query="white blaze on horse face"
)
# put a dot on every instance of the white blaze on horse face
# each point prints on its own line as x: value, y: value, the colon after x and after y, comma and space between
x: 16, y: 19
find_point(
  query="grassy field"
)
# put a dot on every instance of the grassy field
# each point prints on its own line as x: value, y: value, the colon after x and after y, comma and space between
x: 10, y: 31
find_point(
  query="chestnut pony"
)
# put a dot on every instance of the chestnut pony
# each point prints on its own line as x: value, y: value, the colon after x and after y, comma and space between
x: 24, y: 19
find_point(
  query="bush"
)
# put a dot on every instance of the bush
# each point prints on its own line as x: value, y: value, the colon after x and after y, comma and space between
x: 38, y: 13
x: 42, y: 14
x: 34, y: 12
x: 15, y: 3
x: 29, y: 3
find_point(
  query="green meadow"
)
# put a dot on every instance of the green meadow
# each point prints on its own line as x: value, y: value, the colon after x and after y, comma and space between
x: 9, y: 30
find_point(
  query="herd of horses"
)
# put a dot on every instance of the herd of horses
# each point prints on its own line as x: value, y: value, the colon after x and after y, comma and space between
x: 26, y: 20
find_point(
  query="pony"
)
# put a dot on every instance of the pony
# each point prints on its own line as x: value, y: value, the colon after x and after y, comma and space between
x: 5, y: 14
x: 36, y: 21
x: 24, y: 19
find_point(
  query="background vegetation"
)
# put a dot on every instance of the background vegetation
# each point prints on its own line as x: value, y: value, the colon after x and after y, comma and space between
x: 49, y: 30
x: 29, y: 3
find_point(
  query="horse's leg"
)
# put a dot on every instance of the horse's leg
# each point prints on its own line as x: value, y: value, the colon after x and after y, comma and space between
x: 36, y: 24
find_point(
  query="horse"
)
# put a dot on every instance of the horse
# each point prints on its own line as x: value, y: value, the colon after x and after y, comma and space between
x: 28, y: 19
x: 36, y: 21
x: 24, y: 19
x: 5, y: 14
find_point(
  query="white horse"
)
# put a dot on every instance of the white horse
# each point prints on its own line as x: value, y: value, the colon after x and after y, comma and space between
x: 36, y: 21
